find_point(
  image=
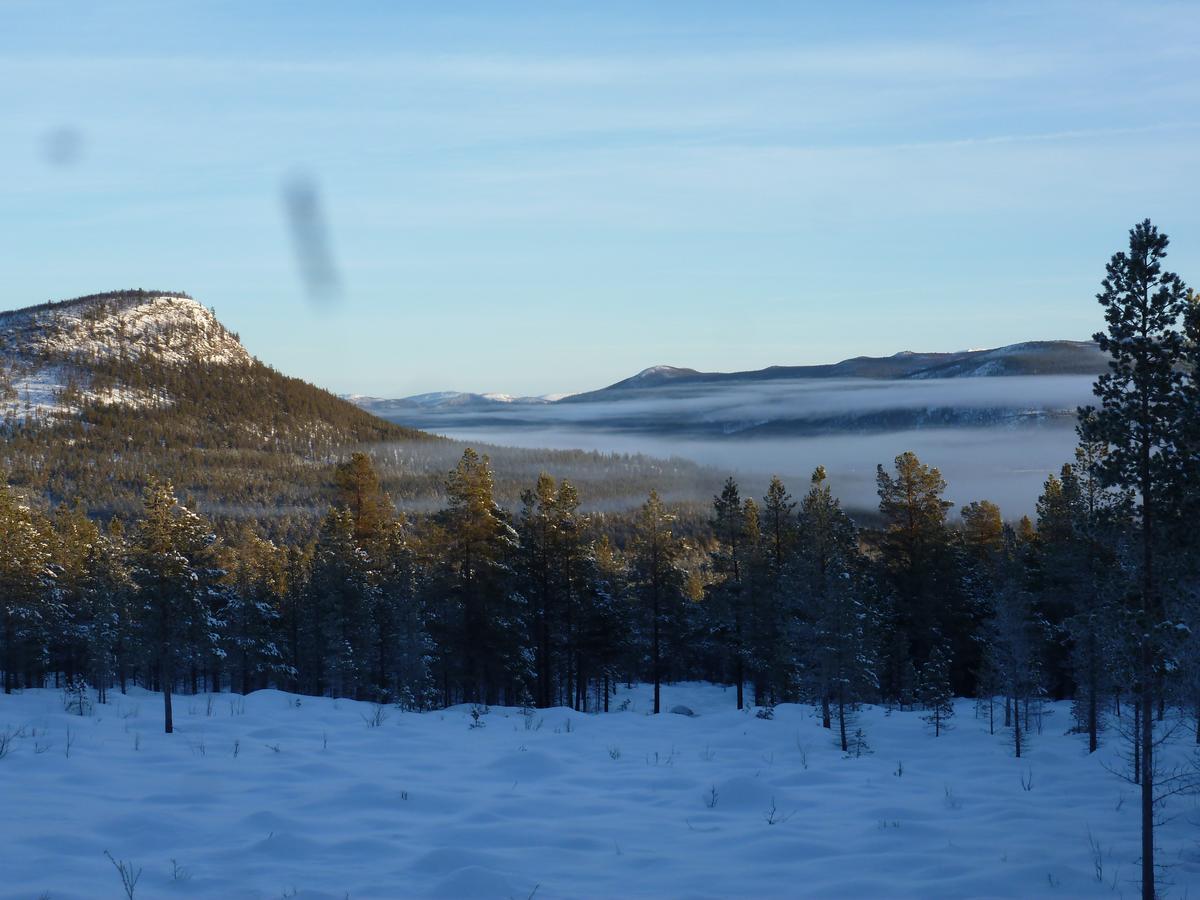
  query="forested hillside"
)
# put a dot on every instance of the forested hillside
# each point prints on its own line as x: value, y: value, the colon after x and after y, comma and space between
x: 103, y: 392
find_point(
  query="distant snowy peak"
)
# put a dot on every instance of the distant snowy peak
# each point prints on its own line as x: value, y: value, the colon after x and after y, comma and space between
x: 438, y: 400
x: 50, y: 354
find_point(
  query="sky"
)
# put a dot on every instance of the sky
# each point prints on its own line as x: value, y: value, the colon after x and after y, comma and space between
x: 537, y: 198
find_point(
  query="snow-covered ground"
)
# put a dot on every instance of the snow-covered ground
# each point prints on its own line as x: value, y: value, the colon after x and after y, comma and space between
x: 274, y: 795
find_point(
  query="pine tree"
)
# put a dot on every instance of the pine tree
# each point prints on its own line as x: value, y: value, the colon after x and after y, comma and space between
x: 828, y: 551
x: 921, y: 567
x: 983, y: 529
x: 735, y: 528
x: 25, y: 586
x: 107, y: 592
x: 479, y: 619
x: 341, y: 599
x: 658, y: 583
x: 1012, y: 636
x: 172, y: 566
x: 606, y: 622
x: 1140, y: 420
x: 402, y: 643
x: 256, y: 578
x: 359, y: 491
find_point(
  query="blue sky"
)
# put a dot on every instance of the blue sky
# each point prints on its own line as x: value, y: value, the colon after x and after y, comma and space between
x: 549, y: 197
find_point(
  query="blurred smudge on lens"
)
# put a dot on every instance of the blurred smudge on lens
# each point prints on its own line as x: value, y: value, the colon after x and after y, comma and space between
x: 310, y: 237
x: 62, y: 146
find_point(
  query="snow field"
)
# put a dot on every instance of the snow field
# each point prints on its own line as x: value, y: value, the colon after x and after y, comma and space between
x: 274, y: 795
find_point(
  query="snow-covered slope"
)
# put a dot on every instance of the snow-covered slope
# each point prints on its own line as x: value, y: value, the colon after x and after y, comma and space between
x: 49, y: 354
x: 275, y: 795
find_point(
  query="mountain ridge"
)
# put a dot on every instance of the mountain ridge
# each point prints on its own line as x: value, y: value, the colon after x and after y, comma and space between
x: 1056, y: 357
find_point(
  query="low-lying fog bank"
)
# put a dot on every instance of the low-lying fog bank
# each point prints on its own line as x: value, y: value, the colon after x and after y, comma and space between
x: 1005, y: 465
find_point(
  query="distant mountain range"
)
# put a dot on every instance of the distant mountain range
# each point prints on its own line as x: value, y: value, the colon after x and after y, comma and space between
x: 1028, y: 358
x: 1032, y: 382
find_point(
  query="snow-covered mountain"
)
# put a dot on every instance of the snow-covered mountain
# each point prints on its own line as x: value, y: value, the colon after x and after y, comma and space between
x: 56, y: 357
x: 445, y: 400
x: 100, y: 393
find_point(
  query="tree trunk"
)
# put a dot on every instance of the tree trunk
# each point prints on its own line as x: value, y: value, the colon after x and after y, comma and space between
x: 1147, y: 741
x: 168, y: 719
x: 842, y: 722
x: 1017, y: 733
x: 741, y: 683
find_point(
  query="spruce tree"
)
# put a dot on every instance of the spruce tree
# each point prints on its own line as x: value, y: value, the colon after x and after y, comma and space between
x: 935, y: 692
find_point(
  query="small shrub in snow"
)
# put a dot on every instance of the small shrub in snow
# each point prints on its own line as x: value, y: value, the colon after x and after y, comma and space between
x: 857, y: 746
x: 379, y: 714
x: 1097, y: 857
x: 614, y: 753
x: 476, y: 718
x: 76, y: 697
x: 710, y: 799
x: 774, y: 816
x: 129, y: 878
x: 8, y: 738
x: 802, y: 749
x: 766, y: 712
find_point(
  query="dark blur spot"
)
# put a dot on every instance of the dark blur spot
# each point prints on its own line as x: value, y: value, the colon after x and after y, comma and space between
x: 62, y: 146
x: 310, y: 235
